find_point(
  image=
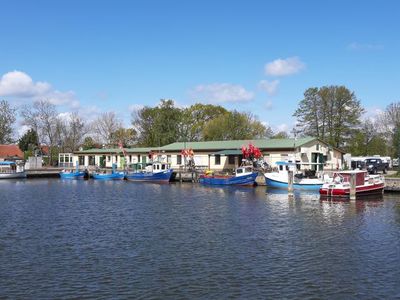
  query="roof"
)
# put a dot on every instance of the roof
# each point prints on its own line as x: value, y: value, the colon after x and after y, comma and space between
x: 114, y: 151
x: 228, y: 152
x: 6, y: 163
x: 237, y: 144
x: 11, y: 151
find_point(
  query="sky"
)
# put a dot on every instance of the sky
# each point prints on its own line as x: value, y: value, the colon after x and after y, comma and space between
x: 252, y: 56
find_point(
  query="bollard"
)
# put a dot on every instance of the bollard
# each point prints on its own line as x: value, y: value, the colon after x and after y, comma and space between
x: 353, y: 186
x: 290, y: 183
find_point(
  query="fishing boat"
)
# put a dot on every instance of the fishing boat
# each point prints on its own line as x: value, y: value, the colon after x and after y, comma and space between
x: 151, y: 172
x: 244, y: 175
x: 10, y: 169
x: 365, y: 184
x: 114, y: 175
x: 74, y: 174
x: 280, y: 178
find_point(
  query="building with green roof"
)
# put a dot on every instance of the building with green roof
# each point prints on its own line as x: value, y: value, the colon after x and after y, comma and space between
x: 310, y: 152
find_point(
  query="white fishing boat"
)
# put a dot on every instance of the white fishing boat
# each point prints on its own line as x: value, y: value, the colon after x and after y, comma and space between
x: 10, y: 169
x: 280, y: 178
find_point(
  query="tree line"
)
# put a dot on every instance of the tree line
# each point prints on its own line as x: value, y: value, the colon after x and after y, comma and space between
x: 332, y: 113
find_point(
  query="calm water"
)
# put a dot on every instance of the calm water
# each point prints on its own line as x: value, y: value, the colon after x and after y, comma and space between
x: 87, y: 239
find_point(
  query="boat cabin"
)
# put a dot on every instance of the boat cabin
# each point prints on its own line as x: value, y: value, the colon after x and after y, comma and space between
x: 10, y: 167
x: 154, y: 167
x: 244, y: 171
x: 344, y: 176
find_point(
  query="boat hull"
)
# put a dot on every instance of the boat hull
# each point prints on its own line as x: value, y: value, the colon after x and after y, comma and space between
x: 274, y: 183
x: 73, y: 175
x: 345, y: 191
x: 113, y: 176
x: 149, y: 176
x: 12, y: 175
x: 248, y: 179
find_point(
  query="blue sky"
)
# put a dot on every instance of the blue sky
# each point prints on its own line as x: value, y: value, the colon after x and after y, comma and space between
x: 256, y: 56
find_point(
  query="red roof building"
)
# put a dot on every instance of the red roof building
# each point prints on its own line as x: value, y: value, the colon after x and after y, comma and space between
x: 10, y: 152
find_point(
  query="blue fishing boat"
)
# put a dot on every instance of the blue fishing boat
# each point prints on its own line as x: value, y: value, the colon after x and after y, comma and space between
x: 242, y: 176
x: 280, y: 178
x: 71, y: 174
x: 65, y: 174
x: 152, y: 172
x: 108, y: 176
x: 114, y: 175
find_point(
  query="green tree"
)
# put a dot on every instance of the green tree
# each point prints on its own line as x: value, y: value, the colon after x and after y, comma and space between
x: 329, y: 113
x: 158, y: 125
x: 126, y: 136
x: 29, y: 141
x: 7, y: 119
x: 89, y: 143
x: 235, y: 126
x: 194, y: 118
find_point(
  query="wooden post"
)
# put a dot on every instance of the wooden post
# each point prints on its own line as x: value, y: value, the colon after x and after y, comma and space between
x: 353, y: 186
x: 290, y: 183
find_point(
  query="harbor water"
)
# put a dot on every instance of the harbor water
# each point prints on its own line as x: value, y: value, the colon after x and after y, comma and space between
x: 116, y: 240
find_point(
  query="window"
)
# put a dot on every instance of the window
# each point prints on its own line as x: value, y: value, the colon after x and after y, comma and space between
x: 91, y: 160
x: 179, y: 159
x: 130, y: 158
x: 231, y: 159
x: 138, y: 158
x: 239, y: 171
x: 217, y: 159
x: 163, y: 167
x: 81, y: 160
x: 108, y: 158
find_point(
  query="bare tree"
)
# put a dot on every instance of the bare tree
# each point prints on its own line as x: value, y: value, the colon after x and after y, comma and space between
x: 7, y: 119
x: 71, y: 131
x: 42, y: 117
x: 105, y: 126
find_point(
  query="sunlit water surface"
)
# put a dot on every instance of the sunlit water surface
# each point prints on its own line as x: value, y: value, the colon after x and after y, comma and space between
x: 88, y: 239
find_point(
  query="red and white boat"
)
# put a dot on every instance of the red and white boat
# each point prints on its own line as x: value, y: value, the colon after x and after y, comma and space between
x: 365, y: 184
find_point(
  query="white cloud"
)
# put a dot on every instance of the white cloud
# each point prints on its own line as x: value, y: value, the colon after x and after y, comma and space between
x: 222, y: 92
x: 19, y: 85
x: 283, y: 67
x: 22, y: 130
x: 364, y: 47
x: 281, y: 127
x: 270, y: 87
x: 268, y: 105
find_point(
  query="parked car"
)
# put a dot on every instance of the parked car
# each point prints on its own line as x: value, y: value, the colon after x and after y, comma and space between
x: 375, y: 165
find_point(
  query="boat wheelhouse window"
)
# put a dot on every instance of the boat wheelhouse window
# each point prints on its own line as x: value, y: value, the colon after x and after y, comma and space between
x: 231, y: 159
x: 179, y: 159
x: 217, y: 159
x: 248, y: 170
x: 163, y: 167
x: 280, y: 168
x: 239, y: 171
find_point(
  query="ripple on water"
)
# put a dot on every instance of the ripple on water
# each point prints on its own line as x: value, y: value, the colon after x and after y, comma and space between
x: 85, y: 239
